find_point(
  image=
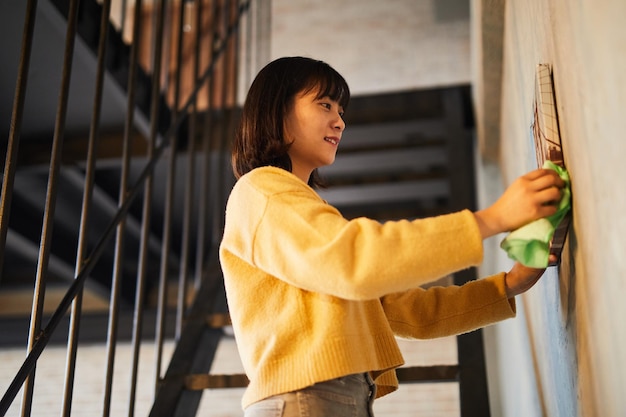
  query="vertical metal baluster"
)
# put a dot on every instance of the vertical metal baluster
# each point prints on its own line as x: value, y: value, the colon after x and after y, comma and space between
x: 157, y: 54
x: 180, y: 304
x: 189, y: 183
x: 167, y: 222
x: 234, y: 85
x: 264, y: 32
x: 119, y: 238
x: 10, y: 164
x: 248, y: 46
x: 218, y: 113
x: 51, y: 194
x: 162, y: 294
x: 86, y: 210
x: 123, y: 17
x: 226, y: 118
x: 203, y: 205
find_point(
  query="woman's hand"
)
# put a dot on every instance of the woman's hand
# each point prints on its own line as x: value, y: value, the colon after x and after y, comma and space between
x: 521, y: 278
x: 530, y: 197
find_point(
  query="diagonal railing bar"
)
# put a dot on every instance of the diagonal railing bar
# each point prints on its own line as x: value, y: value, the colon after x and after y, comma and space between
x: 86, y: 210
x: 10, y: 165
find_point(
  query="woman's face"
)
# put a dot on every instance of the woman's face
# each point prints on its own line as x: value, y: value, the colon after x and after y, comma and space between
x: 313, y: 127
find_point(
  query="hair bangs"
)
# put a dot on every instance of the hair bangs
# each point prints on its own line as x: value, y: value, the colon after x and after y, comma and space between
x: 328, y: 83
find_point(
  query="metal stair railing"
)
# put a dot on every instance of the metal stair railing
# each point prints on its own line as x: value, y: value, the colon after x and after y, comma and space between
x: 226, y: 18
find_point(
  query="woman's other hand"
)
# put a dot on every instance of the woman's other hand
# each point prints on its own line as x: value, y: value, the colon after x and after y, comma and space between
x: 521, y: 278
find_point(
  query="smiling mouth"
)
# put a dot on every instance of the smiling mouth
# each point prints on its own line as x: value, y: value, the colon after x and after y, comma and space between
x: 332, y: 140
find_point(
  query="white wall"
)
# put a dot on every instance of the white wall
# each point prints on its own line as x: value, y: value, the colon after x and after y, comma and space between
x: 378, y: 46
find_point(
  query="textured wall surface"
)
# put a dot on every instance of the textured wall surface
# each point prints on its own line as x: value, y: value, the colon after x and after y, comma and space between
x: 574, y: 316
x: 487, y: 26
x: 378, y: 46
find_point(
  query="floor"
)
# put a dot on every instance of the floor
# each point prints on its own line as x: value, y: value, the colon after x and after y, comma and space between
x: 428, y: 400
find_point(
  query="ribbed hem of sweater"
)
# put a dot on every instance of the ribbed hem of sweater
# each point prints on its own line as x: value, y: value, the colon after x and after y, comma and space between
x: 293, y: 373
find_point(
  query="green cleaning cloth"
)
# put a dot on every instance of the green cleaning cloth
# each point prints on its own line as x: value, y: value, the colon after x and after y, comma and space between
x: 530, y: 244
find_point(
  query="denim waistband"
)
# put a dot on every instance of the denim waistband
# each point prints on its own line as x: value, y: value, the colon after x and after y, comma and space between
x: 350, y: 395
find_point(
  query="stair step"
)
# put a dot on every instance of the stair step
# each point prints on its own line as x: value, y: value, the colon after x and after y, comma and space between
x: 426, y: 374
x: 413, y: 374
x: 207, y: 381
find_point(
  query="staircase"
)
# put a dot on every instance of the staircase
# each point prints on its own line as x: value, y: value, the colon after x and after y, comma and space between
x: 116, y: 173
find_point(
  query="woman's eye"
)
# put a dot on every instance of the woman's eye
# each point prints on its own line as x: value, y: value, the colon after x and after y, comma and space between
x: 326, y: 105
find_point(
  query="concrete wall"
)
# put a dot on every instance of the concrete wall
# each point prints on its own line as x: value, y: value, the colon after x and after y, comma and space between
x: 566, y: 353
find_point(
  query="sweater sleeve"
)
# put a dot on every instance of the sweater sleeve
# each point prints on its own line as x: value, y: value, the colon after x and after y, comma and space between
x: 290, y: 233
x: 451, y: 310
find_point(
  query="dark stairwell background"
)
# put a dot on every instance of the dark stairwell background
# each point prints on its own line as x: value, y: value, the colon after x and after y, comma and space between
x: 405, y: 154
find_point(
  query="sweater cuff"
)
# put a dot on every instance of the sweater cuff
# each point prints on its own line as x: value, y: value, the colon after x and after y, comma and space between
x: 499, y: 280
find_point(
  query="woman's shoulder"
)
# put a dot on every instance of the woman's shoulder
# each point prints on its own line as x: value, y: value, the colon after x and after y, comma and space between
x: 263, y: 187
x: 272, y: 181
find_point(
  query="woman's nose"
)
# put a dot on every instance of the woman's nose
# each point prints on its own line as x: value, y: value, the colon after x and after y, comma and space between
x: 339, y: 123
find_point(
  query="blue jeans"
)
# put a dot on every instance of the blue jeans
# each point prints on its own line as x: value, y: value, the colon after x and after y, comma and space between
x: 348, y: 396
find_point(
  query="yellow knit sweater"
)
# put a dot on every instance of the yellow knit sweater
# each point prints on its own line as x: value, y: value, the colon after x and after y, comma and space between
x: 313, y: 296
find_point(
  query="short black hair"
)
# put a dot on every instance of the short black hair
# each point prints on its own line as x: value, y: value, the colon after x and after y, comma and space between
x: 259, y: 139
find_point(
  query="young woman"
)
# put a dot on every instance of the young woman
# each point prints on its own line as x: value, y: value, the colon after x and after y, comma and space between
x: 316, y: 300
